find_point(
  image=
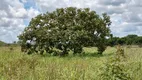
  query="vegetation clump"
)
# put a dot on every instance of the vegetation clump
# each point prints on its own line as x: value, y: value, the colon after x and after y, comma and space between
x: 120, y: 52
x: 114, y: 69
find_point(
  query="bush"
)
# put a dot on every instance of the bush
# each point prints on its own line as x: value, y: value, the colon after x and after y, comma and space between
x: 114, y: 69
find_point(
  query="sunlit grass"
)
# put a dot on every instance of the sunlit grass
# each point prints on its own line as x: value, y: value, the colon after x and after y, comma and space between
x: 15, y: 65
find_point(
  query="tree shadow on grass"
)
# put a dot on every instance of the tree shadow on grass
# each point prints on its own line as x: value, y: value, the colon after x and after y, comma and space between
x: 95, y: 55
x: 86, y: 54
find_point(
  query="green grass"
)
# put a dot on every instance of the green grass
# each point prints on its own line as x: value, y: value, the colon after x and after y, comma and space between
x: 15, y: 65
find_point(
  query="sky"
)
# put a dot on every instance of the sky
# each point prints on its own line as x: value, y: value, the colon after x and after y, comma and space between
x: 15, y: 15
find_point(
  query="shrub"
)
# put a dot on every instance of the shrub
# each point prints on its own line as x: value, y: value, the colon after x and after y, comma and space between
x: 114, y: 69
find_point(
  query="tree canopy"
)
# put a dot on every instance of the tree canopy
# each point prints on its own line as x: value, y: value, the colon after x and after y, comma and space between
x: 64, y: 30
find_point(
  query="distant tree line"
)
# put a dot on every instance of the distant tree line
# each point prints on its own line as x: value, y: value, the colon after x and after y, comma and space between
x: 131, y: 39
x: 2, y: 43
x: 14, y: 43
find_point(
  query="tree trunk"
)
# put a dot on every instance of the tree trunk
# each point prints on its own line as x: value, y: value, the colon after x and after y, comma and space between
x: 65, y: 52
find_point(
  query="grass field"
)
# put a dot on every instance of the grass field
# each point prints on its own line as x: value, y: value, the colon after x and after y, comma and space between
x: 15, y: 65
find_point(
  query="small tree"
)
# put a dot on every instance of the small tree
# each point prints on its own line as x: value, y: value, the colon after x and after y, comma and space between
x: 66, y: 29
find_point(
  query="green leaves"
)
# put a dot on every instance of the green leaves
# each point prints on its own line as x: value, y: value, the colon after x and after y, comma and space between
x: 67, y: 29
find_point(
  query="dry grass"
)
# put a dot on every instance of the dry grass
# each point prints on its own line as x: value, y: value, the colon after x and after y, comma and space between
x: 15, y: 65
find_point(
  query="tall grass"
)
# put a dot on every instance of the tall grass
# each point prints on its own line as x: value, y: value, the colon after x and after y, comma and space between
x: 15, y: 65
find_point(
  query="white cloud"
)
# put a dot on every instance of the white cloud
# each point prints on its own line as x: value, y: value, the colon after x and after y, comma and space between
x: 32, y: 12
x: 12, y: 16
x: 17, y: 12
x: 23, y: 1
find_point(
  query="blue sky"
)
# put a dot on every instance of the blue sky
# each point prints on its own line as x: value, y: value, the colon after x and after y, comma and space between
x: 15, y: 15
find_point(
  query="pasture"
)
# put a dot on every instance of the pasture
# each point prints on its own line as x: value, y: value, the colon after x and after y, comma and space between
x: 15, y: 65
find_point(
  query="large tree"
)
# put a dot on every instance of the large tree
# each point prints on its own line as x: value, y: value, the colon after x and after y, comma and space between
x: 66, y: 29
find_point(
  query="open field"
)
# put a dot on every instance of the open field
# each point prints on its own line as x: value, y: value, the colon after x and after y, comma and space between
x: 15, y: 65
